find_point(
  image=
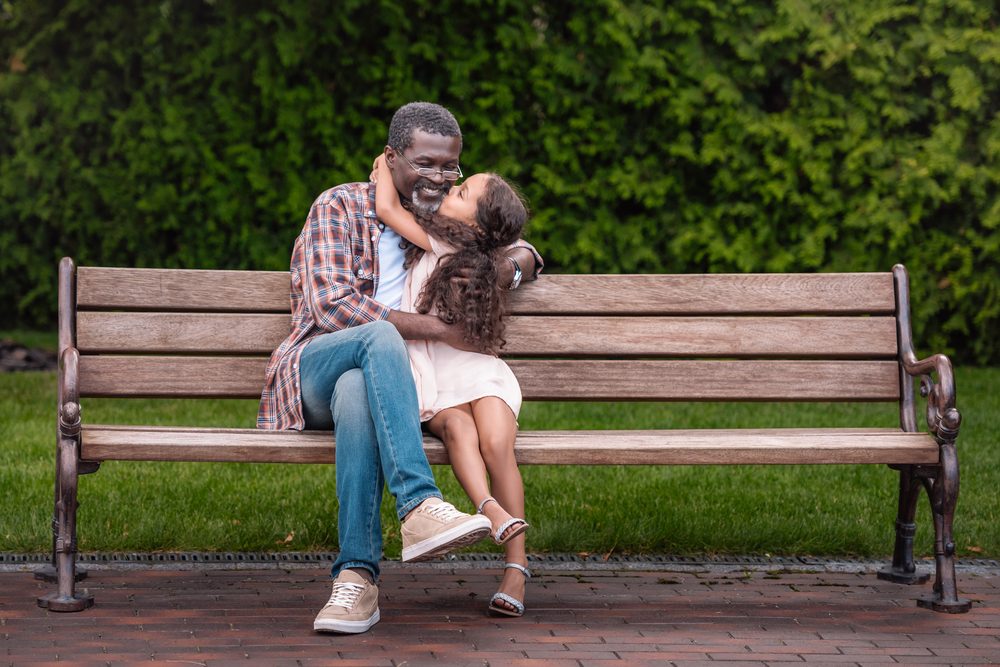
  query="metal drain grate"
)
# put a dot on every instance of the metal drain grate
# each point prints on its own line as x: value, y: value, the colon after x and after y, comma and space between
x: 183, y: 559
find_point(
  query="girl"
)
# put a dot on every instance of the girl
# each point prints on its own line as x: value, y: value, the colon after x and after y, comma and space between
x: 468, y: 399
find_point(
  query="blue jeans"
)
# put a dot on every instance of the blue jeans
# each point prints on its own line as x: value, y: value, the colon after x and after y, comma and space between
x: 358, y: 381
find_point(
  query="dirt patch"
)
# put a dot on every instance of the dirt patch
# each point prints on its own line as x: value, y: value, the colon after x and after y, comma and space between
x: 16, y: 357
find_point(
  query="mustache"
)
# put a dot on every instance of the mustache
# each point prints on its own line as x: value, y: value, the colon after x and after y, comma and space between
x: 432, y: 205
x: 428, y: 183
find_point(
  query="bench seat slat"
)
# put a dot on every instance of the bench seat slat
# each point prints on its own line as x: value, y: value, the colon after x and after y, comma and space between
x: 231, y: 333
x: 675, y: 447
x: 680, y: 380
x: 712, y: 294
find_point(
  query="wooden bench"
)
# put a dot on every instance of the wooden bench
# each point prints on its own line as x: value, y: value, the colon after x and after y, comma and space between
x: 760, y: 337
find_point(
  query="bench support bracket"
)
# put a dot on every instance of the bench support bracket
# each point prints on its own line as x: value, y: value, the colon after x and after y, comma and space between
x: 66, y: 598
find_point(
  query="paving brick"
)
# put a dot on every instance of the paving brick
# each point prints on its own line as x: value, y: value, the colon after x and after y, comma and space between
x: 340, y: 662
x: 762, y: 657
x: 838, y: 660
x: 795, y: 648
x: 569, y: 655
x: 807, y: 645
x: 943, y: 660
x: 960, y: 652
x: 894, y: 650
x: 713, y: 663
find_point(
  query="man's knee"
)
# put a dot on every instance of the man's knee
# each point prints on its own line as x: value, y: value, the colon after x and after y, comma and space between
x: 383, y: 338
x: 349, y: 403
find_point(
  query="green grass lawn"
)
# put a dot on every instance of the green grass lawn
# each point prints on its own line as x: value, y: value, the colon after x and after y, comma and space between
x: 790, y: 510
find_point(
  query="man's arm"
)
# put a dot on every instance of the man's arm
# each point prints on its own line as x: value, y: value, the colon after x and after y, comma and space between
x: 414, y: 326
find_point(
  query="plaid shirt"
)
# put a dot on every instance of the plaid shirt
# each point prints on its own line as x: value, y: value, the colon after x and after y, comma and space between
x: 334, y: 277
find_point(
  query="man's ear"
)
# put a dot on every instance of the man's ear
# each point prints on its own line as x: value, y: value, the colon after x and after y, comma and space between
x: 390, y: 157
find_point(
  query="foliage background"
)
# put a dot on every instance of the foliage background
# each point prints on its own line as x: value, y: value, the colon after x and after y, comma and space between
x: 687, y: 136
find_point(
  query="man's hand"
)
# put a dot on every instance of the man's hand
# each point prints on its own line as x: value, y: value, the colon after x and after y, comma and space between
x: 414, y: 326
x: 455, y: 336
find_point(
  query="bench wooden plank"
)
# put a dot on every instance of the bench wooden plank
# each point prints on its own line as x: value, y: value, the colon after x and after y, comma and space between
x: 661, y: 447
x: 696, y: 380
x: 666, y: 380
x: 172, y: 333
x: 230, y: 333
x: 821, y: 337
x: 713, y: 294
x: 182, y: 289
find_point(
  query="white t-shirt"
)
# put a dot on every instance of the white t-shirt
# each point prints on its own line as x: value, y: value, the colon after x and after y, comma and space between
x: 391, y: 274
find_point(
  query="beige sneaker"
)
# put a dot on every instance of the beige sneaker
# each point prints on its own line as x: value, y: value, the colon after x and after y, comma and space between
x: 353, y: 605
x: 436, y: 527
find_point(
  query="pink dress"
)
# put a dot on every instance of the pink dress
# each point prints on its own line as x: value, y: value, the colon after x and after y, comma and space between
x: 446, y: 377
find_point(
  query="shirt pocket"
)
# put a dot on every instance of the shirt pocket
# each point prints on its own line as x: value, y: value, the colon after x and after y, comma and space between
x: 364, y: 268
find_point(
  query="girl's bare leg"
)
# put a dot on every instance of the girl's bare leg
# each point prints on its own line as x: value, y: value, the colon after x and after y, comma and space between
x: 457, y: 429
x: 497, y: 429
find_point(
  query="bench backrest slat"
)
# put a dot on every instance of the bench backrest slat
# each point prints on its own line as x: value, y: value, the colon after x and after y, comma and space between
x: 541, y: 379
x: 754, y: 336
x: 713, y: 294
x: 182, y: 290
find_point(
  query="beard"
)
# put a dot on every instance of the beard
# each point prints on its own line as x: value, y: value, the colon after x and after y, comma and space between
x: 427, y: 196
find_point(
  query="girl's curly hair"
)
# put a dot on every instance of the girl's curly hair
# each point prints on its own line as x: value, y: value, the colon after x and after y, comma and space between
x: 480, y: 304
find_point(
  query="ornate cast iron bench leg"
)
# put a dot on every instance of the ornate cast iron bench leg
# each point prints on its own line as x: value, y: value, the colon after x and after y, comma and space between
x: 943, y: 491
x: 50, y: 573
x: 903, y: 570
x: 66, y: 598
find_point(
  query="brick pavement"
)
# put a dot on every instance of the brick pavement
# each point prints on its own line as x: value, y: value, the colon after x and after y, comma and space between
x: 434, y: 615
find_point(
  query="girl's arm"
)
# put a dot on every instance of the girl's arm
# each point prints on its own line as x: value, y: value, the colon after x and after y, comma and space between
x: 390, y: 210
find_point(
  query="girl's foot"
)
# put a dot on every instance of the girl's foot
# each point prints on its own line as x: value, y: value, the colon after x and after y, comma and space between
x: 509, y: 600
x: 505, y: 527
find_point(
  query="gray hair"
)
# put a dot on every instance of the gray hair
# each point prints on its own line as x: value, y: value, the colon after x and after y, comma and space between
x: 426, y: 116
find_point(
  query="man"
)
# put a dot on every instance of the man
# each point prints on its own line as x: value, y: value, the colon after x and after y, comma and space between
x: 345, y: 366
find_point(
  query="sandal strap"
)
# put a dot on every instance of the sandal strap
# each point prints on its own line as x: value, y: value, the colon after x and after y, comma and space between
x: 513, y: 521
x: 516, y: 566
x: 517, y: 604
x: 479, y: 510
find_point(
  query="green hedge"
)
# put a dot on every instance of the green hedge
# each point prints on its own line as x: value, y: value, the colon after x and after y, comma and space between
x: 688, y: 136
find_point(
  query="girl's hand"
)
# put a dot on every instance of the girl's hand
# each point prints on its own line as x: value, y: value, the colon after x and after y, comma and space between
x: 373, y: 177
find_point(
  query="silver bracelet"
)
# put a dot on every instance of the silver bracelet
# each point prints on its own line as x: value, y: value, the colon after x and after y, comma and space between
x: 516, y: 282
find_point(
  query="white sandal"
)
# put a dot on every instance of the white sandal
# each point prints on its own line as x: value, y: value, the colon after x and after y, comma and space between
x: 521, y: 524
x: 518, y: 605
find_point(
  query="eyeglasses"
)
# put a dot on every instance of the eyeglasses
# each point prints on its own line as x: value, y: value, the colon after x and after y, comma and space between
x: 427, y: 172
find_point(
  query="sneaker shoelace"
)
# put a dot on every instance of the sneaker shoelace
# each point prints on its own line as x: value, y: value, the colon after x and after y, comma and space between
x: 345, y: 595
x: 445, y: 512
